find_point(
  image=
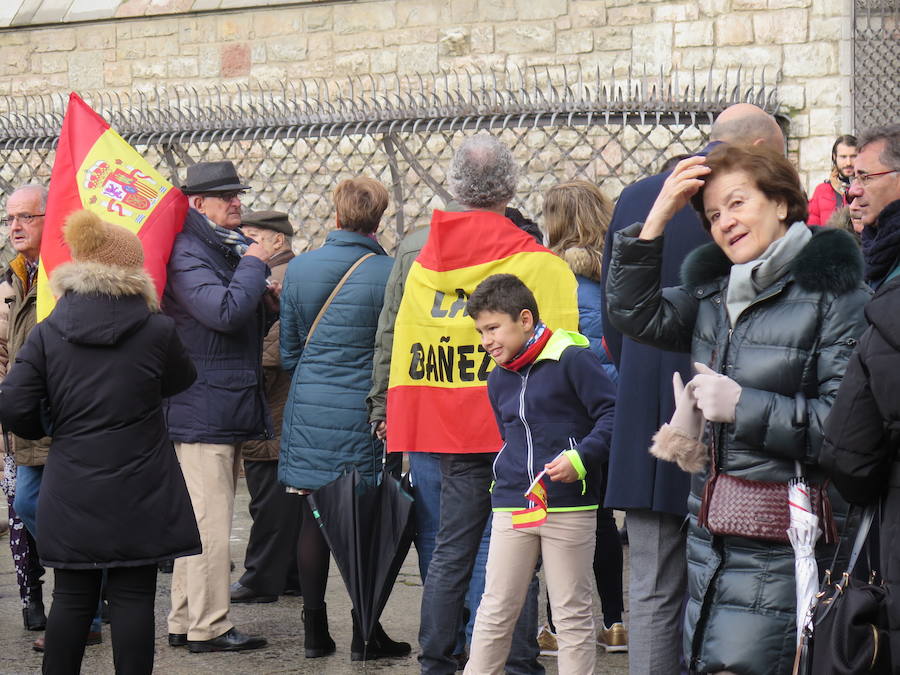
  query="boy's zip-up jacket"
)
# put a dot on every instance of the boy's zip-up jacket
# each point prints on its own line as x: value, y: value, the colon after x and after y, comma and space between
x: 563, y: 399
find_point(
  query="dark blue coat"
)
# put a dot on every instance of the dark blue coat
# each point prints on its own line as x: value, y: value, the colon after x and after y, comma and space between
x: 326, y: 430
x: 645, y: 400
x: 562, y: 395
x: 590, y: 321
x: 215, y: 298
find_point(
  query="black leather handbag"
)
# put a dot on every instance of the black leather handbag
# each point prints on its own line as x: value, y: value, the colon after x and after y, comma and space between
x: 849, y: 622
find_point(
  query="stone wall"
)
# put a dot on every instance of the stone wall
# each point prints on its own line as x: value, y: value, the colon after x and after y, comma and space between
x: 803, y: 45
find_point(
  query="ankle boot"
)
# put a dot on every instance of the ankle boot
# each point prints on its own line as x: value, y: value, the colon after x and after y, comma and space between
x: 33, y: 616
x: 316, y: 639
x: 379, y: 646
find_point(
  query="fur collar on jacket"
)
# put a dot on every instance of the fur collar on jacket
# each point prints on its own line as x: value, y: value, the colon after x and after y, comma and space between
x: 89, y: 278
x: 830, y: 262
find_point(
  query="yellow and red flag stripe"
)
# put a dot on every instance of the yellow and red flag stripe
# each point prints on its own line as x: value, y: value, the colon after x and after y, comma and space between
x: 537, y: 514
x: 437, y: 394
x: 97, y: 169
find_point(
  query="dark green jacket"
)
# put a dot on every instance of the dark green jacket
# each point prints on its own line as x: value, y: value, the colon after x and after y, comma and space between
x: 788, y: 351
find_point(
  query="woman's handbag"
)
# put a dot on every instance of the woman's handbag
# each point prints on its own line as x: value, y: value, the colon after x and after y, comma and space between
x: 755, y: 509
x: 849, y: 622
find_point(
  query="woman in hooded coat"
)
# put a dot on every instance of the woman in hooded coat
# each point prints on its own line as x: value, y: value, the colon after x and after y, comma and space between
x: 93, y: 375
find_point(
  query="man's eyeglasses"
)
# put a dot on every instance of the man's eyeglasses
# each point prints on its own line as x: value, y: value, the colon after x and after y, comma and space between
x: 24, y: 218
x: 865, y: 178
x: 224, y: 196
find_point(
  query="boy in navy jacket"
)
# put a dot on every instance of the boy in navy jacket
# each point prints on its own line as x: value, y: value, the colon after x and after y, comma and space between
x: 554, y: 406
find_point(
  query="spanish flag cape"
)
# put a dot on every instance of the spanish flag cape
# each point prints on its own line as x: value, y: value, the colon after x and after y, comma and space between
x: 437, y: 394
x: 96, y: 169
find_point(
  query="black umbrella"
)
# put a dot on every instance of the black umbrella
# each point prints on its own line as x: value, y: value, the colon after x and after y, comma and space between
x: 369, y: 531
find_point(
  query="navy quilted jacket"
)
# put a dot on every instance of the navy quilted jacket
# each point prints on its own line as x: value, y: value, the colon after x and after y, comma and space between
x: 215, y: 298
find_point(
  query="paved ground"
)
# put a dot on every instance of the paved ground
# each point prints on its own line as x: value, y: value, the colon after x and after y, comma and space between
x: 280, y: 622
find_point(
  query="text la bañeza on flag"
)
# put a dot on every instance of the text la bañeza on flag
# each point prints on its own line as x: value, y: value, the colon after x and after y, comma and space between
x: 437, y: 394
x: 96, y: 169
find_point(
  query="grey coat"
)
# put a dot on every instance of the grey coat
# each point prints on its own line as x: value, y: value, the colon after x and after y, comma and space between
x: 788, y: 351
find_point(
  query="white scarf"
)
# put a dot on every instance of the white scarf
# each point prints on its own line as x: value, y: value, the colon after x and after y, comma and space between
x: 748, y: 279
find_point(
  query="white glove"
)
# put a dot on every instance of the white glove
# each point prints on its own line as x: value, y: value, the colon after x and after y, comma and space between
x: 717, y: 395
x: 679, y: 440
x: 687, y: 417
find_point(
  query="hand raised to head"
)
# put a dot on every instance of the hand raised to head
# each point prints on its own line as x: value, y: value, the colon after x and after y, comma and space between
x: 683, y: 183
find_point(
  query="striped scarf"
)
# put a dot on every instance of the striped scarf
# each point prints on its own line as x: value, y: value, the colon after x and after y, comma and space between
x: 233, y: 239
x: 31, y: 270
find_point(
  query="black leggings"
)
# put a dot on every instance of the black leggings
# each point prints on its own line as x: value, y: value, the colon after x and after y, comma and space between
x: 313, y: 559
x: 130, y: 592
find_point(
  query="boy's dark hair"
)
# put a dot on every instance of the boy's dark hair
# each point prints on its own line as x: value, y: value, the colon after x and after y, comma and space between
x: 503, y: 293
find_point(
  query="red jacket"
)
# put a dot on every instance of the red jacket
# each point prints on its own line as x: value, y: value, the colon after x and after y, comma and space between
x: 824, y: 202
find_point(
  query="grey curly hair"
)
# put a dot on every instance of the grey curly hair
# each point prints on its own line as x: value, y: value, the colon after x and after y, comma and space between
x: 890, y: 134
x: 483, y: 172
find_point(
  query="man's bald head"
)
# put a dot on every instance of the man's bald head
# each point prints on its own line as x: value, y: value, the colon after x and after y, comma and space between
x: 747, y: 124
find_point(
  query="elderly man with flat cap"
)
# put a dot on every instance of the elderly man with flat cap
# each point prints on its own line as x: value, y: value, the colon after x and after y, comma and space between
x: 215, y: 292
x: 270, y: 563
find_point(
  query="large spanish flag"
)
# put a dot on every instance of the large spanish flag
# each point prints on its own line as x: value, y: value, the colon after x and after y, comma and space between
x: 96, y: 169
x: 437, y: 395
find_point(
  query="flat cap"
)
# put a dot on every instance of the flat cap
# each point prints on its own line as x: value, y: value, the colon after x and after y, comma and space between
x: 269, y: 220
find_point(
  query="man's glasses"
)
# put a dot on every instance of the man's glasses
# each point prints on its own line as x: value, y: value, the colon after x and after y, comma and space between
x: 224, y: 196
x: 865, y: 178
x: 24, y: 218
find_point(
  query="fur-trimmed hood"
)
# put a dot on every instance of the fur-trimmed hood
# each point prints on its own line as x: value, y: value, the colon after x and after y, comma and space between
x: 100, y: 304
x: 830, y: 262
x: 583, y: 261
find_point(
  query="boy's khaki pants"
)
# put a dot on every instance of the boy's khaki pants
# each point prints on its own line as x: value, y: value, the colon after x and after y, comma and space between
x: 566, y: 543
x: 201, y: 583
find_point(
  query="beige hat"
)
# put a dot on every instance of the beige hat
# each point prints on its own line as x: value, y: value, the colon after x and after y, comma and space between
x: 91, y: 239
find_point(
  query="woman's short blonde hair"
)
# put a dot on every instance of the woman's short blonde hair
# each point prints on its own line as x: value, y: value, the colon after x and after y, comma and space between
x: 360, y: 202
x: 576, y: 216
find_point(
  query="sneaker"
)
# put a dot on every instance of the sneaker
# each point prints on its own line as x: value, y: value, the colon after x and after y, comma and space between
x: 614, y: 638
x: 547, y: 642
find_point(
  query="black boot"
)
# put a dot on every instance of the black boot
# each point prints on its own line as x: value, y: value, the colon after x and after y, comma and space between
x: 33, y: 616
x: 379, y: 646
x: 316, y: 639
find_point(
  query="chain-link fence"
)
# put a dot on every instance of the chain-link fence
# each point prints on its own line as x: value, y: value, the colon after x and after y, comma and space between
x: 875, y: 84
x: 294, y: 143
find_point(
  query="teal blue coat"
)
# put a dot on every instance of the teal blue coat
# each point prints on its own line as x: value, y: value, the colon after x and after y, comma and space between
x: 326, y: 430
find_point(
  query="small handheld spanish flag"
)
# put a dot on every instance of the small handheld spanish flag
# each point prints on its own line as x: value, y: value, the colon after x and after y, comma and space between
x: 537, y: 514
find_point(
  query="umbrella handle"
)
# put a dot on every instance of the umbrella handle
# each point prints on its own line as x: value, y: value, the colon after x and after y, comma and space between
x: 376, y: 474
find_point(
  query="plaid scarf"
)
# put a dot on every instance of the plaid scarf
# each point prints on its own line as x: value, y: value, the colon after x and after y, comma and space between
x: 233, y: 239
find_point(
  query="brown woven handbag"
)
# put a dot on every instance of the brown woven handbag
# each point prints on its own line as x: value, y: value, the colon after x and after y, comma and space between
x: 755, y: 509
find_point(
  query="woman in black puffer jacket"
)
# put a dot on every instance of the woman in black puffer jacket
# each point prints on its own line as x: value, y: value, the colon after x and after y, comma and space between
x: 774, y: 309
x: 93, y: 375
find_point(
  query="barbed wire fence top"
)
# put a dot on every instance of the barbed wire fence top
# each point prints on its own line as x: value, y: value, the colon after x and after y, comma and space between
x: 294, y: 142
